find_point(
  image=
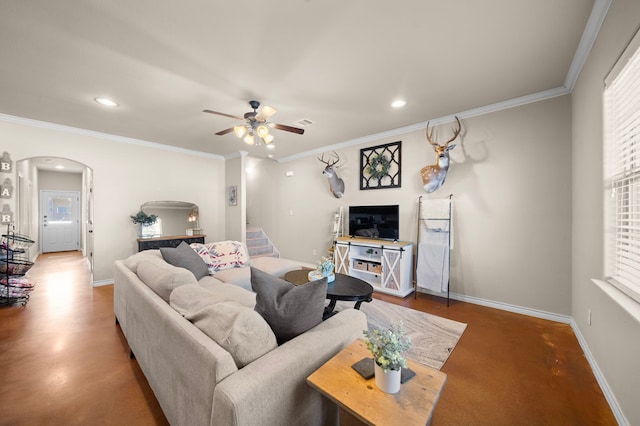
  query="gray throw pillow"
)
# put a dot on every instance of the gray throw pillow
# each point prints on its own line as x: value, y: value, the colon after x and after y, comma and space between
x: 289, y: 310
x: 184, y: 256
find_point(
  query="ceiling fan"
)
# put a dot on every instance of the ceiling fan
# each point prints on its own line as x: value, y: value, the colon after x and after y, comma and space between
x: 255, y: 124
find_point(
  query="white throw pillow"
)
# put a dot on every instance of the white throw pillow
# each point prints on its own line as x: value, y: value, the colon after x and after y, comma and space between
x: 222, y: 255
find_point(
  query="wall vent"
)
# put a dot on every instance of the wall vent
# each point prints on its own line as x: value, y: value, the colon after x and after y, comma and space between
x: 304, y: 122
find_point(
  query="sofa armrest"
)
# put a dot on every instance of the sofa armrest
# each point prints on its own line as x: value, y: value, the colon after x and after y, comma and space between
x: 273, y: 388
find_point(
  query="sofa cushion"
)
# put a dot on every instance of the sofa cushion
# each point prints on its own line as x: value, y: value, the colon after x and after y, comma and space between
x: 238, y: 276
x: 184, y: 256
x: 162, y: 277
x: 290, y: 310
x: 226, y: 292
x: 240, y: 330
x: 222, y: 255
x: 132, y: 262
x: 278, y: 266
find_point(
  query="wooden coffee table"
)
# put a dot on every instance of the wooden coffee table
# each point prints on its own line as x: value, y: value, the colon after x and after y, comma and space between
x: 344, y: 287
x: 361, y: 402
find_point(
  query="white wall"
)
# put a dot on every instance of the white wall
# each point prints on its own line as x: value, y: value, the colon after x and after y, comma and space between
x: 125, y: 176
x: 511, y: 180
x: 236, y: 224
x: 59, y: 181
x: 613, y: 335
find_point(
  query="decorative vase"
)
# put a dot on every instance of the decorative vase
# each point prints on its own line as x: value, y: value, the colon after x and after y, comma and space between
x: 388, y: 382
x: 316, y: 275
x: 145, y: 231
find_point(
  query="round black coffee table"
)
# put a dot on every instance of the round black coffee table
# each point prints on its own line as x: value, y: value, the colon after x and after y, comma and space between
x: 344, y: 287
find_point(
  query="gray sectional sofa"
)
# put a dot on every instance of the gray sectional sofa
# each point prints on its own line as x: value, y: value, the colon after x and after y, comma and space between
x: 199, y: 382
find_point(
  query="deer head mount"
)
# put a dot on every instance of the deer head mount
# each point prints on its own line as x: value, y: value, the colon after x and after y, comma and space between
x: 433, y: 175
x: 335, y: 183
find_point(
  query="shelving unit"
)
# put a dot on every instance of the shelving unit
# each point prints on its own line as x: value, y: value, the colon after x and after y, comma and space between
x: 14, y: 286
x: 386, y: 265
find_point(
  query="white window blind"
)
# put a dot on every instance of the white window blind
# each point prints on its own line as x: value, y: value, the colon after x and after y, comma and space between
x: 622, y: 148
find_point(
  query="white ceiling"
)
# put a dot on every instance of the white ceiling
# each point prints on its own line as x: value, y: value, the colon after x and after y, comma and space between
x: 338, y: 63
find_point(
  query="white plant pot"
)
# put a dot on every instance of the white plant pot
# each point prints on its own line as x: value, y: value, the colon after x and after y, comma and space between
x: 387, y: 382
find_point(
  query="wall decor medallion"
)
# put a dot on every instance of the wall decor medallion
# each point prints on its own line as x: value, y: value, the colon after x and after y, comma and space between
x: 6, y: 189
x: 380, y: 166
x: 6, y: 215
x: 6, y: 164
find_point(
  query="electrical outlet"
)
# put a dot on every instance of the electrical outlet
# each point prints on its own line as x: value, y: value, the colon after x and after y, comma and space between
x: 589, y: 316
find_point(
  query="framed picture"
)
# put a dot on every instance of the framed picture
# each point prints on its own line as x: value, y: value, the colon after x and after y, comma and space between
x: 232, y: 197
x: 380, y: 166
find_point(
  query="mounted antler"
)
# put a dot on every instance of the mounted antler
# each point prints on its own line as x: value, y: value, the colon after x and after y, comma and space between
x: 335, y: 183
x: 433, y: 176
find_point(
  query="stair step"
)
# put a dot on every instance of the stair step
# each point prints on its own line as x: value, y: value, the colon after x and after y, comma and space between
x: 260, y: 249
x: 256, y: 242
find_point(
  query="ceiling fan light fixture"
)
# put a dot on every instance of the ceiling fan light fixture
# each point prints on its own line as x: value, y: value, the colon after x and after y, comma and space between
x: 263, y: 131
x: 240, y: 131
x: 268, y: 139
x: 248, y: 139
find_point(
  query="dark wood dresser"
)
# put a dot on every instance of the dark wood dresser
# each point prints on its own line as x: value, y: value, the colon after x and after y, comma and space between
x: 169, y: 241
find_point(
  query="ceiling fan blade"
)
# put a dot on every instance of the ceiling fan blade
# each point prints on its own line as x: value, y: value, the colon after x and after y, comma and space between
x: 265, y: 113
x: 225, y: 131
x: 288, y: 128
x: 223, y: 114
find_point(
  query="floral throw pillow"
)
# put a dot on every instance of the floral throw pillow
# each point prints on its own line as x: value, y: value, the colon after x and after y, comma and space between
x: 222, y: 255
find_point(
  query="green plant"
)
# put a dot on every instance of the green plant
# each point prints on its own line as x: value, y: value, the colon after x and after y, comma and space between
x: 388, y: 345
x: 143, y: 218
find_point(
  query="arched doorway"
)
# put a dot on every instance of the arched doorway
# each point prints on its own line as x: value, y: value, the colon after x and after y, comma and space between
x: 53, y: 173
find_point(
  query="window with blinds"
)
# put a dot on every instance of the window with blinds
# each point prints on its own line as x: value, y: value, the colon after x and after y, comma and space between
x: 622, y: 172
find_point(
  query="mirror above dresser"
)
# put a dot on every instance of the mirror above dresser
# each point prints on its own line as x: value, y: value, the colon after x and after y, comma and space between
x: 177, y: 221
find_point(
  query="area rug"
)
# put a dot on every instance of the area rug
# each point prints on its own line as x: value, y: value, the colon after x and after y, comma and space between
x: 433, y: 337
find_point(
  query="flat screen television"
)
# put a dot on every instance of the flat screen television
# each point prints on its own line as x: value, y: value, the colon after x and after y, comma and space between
x: 374, y: 222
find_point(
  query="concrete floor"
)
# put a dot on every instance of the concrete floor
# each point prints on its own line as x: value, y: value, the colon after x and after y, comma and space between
x: 65, y: 362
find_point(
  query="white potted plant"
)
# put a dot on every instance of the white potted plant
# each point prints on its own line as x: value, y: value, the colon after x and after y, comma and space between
x: 388, y: 346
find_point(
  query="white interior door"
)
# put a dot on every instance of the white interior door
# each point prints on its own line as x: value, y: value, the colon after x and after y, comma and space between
x: 59, y: 220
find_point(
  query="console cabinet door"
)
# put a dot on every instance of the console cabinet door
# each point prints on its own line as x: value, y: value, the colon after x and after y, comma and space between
x: 341, y: 258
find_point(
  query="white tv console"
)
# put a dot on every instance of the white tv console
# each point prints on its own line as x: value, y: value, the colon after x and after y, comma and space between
x: 385, y: 264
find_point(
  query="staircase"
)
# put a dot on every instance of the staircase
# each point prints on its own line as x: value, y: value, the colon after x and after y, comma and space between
x: 259, y: 245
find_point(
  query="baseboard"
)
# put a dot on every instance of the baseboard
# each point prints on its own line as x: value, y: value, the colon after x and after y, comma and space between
x: 602, y: 381
x: 566, y: 319
x: 100, y: 283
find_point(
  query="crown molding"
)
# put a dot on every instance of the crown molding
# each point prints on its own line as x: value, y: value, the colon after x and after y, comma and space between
x: 498, y: 106
x: 106, y: 136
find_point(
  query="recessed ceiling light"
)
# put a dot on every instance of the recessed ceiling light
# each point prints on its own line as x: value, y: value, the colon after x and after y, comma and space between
x: 399, y: 103
x: 271, y: 146
x: 106, y: 102
x: 59, y: 167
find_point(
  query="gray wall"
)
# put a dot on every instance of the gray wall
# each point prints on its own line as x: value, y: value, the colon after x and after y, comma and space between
x: 511, y: 180
x: 613, y: 334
